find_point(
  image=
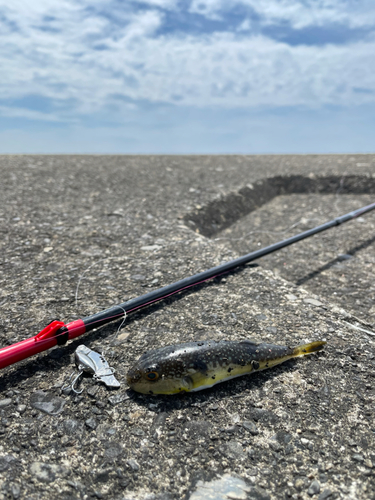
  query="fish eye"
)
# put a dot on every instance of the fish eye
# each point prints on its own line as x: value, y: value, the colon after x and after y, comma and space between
x: 152, y: 376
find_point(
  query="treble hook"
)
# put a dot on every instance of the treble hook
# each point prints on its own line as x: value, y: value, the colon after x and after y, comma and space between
x: 71, y: 384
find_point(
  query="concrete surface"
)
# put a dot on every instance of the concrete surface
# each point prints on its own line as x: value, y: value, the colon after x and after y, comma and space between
x: 81, y: 233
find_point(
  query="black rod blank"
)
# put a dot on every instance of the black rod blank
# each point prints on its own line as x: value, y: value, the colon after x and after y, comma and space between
x: 119, y: 311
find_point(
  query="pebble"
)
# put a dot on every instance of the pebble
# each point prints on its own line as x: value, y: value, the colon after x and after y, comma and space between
x: 264, y: 415
x: 225, y: 488
x: 47, y: 402
x: 291, y: 297
x: 314, y: 488
x: 138, y: 277
x: 5, y: 462
x: 325, y: 494
x: 299, y: 484
x: 261, y: 317
x: 113, y: 450
x: 313, y: 302
x: 47, y: 473
x: 232, y: 450
x: 76, y: 485
x: 5, y: 402
x: 91, y: 391
x: 283, y: 437
x: 150, y: 248
x: 271, y: 329
x: 105, y: 431
x: 117, y: 398
x: 133, y: 464
x: 15, y: 491
x: 358, y: 458
x: 72, y: 426
x: 274, y: 444
x: 251, y: 427
x: 137, y: 431
x: 91, y: 423
x: 102, y: 476
x: 21, y: 408
x: 251, y: 453
x: 259, y: 494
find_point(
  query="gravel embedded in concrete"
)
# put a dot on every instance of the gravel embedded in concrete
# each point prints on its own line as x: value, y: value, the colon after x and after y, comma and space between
x: 82, y: 233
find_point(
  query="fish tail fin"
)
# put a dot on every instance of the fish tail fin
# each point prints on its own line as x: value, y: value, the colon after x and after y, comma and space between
x: 303, y: 349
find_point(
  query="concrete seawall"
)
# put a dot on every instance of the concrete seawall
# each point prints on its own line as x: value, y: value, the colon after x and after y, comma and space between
x: 82, y: 233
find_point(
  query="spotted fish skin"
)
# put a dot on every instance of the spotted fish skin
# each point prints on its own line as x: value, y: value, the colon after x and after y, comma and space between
x: 194, y: 366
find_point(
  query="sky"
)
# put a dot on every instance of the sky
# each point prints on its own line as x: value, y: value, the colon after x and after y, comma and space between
x: 187, y: 76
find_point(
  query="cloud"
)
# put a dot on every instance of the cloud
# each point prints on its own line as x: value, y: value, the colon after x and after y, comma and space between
x: 97, y: 58
x: 165, y: 4
x: 297, y: 13
x: 28, y: 114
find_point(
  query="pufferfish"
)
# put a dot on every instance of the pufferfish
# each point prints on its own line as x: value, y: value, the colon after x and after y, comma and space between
x: 194, y: 366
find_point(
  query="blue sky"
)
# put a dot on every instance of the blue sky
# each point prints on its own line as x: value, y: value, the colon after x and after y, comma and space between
x: 192, y: 76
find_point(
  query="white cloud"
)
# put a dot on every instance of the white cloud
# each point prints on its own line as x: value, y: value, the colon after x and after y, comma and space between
x: 245, y: 25
x: 165, y: 4
x: 13, y: 112
x: 299, y: 13
x: 92, y: 56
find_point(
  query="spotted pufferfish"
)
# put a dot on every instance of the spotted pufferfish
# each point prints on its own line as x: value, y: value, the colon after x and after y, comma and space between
x: 194, y: 366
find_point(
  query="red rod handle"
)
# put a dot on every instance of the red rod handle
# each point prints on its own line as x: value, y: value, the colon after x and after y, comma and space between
x: 41, y: 342
x: 22, y: 350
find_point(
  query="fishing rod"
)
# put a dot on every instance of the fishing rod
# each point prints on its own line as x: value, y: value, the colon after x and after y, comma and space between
x: 58, y: 333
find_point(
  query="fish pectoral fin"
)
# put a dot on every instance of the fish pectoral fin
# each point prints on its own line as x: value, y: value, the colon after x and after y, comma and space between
x: 187, y: 383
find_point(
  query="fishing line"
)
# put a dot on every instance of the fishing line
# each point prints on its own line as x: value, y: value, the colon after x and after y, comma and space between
x: 119, y: 328
x: 83, y: 274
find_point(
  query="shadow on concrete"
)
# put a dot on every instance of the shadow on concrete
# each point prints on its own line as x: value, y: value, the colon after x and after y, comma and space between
x: 337, y: 260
